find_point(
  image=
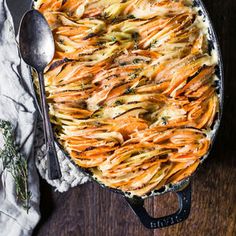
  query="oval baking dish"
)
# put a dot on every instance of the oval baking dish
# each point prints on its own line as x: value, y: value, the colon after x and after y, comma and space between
x: 183, y: 187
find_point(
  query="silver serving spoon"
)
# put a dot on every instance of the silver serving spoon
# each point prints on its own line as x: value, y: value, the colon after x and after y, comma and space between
x: 37, y: 50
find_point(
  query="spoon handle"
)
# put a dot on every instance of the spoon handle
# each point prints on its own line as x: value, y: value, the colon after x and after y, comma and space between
x: 54, y: 171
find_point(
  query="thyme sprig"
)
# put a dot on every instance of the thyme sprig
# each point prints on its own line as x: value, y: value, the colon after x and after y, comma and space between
x: 16, y: 164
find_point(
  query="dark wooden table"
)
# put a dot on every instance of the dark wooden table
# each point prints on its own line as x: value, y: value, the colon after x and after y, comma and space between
x: 92, y: 211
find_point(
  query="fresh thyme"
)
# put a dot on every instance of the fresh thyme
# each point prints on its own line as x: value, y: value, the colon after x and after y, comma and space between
x: 118, y: 103
x: 153, y: 44
x: 165, y: 120
x: 129, y: 91
x: 16, y: 164
x: 113, y: 39
x: 135, y: 37
x: 138, y: 60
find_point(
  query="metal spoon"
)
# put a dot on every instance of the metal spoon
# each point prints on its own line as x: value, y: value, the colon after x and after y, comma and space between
x: 37, y: 50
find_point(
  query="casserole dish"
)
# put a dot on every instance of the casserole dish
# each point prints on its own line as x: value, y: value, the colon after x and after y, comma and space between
x: 182, y: 188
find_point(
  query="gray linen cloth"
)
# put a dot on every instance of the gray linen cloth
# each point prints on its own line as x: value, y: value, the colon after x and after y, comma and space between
x: 71, y: 176
x: 17, y: 107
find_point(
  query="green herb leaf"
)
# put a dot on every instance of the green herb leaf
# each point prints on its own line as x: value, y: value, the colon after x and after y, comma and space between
x: 118, y: 103
x: 16, y: 164
x: 129, y: 91
x: 113, y: 39
x: 137, y: 60
x: 165, y: 120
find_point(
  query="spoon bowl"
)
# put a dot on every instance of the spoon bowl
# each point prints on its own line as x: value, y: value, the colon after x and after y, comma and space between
x: 36, y: 40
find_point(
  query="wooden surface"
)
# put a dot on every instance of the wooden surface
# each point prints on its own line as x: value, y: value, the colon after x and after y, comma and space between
x: 91, y: 211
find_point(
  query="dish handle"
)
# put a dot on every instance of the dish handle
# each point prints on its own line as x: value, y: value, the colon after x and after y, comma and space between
x: 184, y: 198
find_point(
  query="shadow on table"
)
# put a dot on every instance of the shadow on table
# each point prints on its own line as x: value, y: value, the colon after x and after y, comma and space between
x: 46, y: 204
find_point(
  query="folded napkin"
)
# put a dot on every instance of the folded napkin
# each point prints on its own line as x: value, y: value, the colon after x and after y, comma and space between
x: 18, y: 107
x: 71, y: 177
